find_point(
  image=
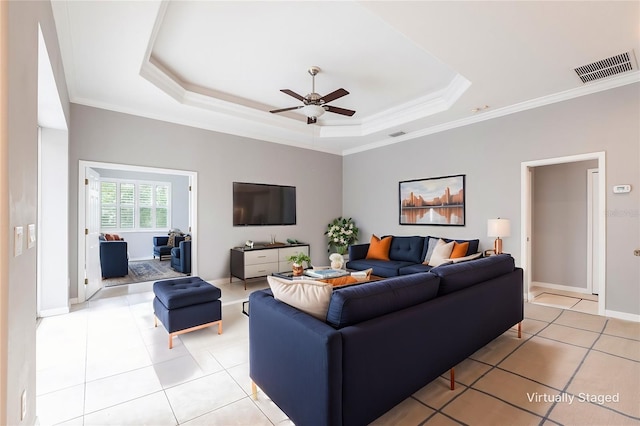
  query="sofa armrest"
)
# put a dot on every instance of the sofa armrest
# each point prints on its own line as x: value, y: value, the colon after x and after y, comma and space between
x: 296, y: 360
x: 358, y: 251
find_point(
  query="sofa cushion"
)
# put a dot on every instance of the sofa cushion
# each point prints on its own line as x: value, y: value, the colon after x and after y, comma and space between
x: 308, y: 296
x: 381, y: 268
x: 441, y: 253
x: 429, y: 245
x: 466, y: 258
x: 379, y: 248
x: 415, y: 269
x: 456, y: 276
x: 181, y: 292
x: 430, y: 241
x: 459, y: 249
x: 358, y: 303
x: 473, y: 244
x: 408, y: 249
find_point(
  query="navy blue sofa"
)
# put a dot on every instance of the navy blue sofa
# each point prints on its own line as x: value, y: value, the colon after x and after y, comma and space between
x: 114, y: 259
x: 406, y: 255
x: 161, y: 246
x: 181, y: 257
x: 381, y: 341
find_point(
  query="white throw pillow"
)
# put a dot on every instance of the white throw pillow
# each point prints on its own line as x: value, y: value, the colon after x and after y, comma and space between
x: 441, y: 253
x: 470, y: 257
x: 311, y: 297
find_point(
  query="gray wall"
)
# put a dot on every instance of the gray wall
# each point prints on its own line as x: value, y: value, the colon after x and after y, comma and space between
x: 21, y: 167
x: 559, y: 228
x: 490, y: 153
x: 219, y: 160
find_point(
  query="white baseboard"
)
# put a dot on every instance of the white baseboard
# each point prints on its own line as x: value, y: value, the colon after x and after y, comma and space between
x: 622, y: 315
x: 583, y: 290
x: 54, y: 312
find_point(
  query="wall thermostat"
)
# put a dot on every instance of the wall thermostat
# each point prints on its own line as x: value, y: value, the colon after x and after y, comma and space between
x: 621, y: 189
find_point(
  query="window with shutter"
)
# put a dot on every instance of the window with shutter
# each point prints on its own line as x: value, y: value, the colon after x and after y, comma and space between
x: 135, y: 205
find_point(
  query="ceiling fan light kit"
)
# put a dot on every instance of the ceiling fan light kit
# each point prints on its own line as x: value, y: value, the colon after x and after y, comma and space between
x: 314, y: 105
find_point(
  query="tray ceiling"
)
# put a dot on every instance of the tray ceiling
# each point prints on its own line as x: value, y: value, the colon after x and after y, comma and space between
x: 411, y: 67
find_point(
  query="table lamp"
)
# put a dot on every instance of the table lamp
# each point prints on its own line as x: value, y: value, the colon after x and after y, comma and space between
x: 498, y: 228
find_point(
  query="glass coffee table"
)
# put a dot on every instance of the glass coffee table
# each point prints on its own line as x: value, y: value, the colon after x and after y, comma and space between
x: 342, y: 281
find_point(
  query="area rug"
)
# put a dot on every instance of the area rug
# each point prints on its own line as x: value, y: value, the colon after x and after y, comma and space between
x: 145, y: 270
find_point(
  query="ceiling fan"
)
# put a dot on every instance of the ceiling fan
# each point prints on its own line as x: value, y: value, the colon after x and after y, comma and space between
x: 315, y: 105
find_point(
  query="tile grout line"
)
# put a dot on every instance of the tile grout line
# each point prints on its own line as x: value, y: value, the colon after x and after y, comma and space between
x: 488, y: 371
x: 564, y: 390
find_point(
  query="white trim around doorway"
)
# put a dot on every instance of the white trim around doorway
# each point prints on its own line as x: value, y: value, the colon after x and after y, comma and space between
x: 193, y: 211
x: 526, y: 219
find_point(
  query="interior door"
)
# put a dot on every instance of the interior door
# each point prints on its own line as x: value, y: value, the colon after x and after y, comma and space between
x: 93, y: 273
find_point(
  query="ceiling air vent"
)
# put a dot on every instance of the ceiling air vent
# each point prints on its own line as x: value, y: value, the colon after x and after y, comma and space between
x: 396, y: 134
x: 607, y: 67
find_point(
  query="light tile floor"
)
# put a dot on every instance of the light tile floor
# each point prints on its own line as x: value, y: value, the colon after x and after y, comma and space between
x: 587, y: 303
x: 105, y: 363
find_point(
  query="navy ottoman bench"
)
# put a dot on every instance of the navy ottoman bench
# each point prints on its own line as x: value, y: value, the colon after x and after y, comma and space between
x: 186, y: 304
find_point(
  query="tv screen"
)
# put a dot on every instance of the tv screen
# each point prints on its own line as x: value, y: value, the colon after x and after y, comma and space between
x: 257, y: 204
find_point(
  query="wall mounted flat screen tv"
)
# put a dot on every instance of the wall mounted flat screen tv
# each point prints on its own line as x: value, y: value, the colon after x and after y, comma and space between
x: 258, y: 204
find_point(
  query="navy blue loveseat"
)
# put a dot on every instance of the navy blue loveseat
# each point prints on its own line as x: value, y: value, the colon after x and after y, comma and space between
x: 406, y: 255
x: 381, y: 341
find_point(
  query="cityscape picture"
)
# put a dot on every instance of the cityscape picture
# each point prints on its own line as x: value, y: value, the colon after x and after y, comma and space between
x: 432, y: 201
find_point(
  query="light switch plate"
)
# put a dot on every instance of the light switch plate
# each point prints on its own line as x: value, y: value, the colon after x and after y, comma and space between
x: 31, y: 235
x: 17, y: 241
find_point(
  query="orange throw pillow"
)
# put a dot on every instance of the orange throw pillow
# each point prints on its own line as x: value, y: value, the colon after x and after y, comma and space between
x: 459, y: 250
x: 379, y: 248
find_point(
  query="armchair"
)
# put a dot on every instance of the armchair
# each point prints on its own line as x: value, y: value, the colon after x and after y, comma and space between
x: 181, y: 257
x: 114, y: 260
x: 161, y: 246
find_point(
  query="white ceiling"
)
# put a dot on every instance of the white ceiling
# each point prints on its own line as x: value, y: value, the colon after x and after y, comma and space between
x: 419, y: 67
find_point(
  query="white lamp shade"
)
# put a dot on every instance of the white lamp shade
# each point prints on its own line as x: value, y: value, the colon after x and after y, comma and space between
x: 313, y: 110
x: 498, y: 228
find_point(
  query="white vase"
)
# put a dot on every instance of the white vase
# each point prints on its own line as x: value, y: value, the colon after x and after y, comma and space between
x: 336, y: 264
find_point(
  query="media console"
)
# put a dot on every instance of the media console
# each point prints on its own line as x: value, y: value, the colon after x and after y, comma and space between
x: 263, y: 260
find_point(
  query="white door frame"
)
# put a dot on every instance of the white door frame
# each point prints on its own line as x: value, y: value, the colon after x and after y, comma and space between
x: 526, y: 217
x: 591, y: 280
x: 193, y: 211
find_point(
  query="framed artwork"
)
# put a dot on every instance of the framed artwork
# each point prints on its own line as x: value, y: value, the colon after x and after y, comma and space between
x: 433, y: 201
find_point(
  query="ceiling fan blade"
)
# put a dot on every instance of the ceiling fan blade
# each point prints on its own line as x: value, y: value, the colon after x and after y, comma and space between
x: 292, y: 93
x: 312, y: 120
x: 334, y: 95
x: 337, y: 110
x: 286, y: 109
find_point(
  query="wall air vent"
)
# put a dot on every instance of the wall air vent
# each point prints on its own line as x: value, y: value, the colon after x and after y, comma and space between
x: 607, y: 67
x: 396, y: 134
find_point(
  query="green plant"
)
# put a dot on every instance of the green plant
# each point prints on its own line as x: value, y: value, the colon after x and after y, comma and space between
x: 341, y: 233
x: 298, y: 258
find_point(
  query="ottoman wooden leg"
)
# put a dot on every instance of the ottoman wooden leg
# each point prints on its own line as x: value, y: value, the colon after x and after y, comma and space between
x: 254, y: 391
x: 197, y: 327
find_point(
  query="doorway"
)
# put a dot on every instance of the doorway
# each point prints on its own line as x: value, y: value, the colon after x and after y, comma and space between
x: 528, y: 219
x: 84, y: 261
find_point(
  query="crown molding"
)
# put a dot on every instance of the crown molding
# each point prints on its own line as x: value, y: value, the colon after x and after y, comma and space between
x: 587, y: 89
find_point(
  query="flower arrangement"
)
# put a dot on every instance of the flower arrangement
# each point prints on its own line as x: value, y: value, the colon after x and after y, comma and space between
x: 341, y: 233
